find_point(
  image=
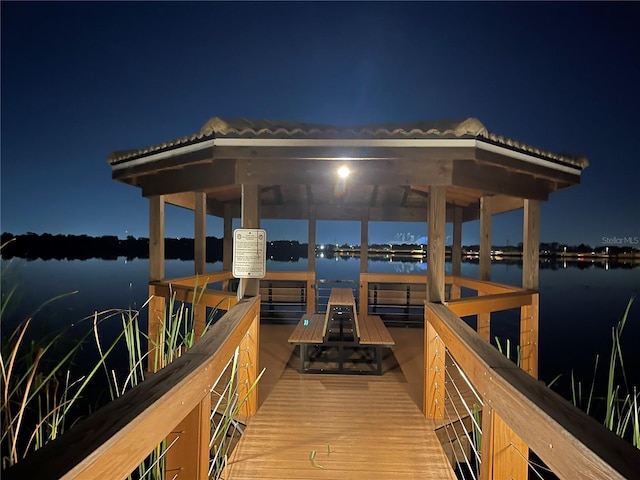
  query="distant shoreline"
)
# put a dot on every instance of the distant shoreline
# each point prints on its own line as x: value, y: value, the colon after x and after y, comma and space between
x: 83, y: 247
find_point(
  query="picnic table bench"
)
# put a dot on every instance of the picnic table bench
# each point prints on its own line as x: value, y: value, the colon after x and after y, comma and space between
x: 343, y: 329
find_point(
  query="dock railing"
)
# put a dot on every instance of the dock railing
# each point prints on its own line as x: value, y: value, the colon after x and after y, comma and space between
x: 188, y: 406
x: 513, y: 415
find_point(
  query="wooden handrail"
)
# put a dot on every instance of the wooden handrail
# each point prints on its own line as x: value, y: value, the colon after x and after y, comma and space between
x: 182, y: 293
x: 301, y: 276
x: 112, y: 442
x: 484, y: 286
x: 490, y: 303
x: 393, y: 278
x: 199, y: 280
x: 568, y: 441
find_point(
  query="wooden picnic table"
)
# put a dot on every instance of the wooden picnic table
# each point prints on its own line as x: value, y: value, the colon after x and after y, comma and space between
x: 312, y: 330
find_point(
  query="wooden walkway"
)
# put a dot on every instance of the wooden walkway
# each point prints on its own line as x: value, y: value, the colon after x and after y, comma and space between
x: 360, y: 427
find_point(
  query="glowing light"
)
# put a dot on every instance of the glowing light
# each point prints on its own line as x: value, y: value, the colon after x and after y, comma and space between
x: 343, y: 171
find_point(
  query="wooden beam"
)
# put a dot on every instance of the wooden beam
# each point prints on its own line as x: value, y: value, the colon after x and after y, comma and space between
x: 345, y: 212
x: 190, y: 178
x: 363, y: 172
x: 490, y: 303
x: 493, y: 158
x: 334, y: 153
x: 499, y: 181
x: 208, y: 297
x: 173, y: 162
x: 501, y: 204
x: 435, y: 248
x: 183, y: 200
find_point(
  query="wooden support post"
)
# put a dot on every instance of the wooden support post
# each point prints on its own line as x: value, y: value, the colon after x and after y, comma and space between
x: 248, y: 364
x: 188, y: 457
x: 200, y: 238
x: 364, y: 256
x: 486, y: 210
x: 485, y: 237
x: 530, y: 274
x: 311, y: 255
x: 435, y: 247
x: 250, y: 287
x: 227, y: 242
x: 364, y: 241
x: 456, y: 251
x: 504, y: 454
x: 531, y: 245
x: 200, y: 259
x: 156, y: 273
x: 434, y: 364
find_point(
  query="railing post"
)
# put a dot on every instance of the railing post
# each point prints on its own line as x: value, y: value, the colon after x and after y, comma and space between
x: 187, y: 456
x: 311, y: 294
x: 434, y: 359
x: 486, y: 448
x: 483, y: 323
x: 504, y: 454
x: 529, y: 337
x: 155, y: 347
x: 454, y: 291
x: 364, y: 295
x: 248, y: 362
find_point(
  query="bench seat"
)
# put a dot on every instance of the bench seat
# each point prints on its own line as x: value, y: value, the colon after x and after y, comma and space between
x: 373, y: 331
x: 310, y: 329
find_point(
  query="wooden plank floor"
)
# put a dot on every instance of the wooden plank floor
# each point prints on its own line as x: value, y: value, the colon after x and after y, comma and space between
x: 371, y: 425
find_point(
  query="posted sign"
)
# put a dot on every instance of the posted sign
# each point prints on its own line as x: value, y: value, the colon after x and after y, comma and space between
x: 249, y: 253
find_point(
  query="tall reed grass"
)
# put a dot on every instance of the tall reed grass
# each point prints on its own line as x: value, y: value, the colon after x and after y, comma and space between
x: 618, y: 403
x: 41, y: 397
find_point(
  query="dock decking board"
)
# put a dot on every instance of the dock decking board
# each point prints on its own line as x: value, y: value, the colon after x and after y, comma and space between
x: 372, y: 425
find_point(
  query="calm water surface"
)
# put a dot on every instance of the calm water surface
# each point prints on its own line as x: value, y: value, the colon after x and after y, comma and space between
x: 578, y: 306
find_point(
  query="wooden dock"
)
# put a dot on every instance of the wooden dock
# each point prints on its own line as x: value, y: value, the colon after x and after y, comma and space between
x: 358, y: 426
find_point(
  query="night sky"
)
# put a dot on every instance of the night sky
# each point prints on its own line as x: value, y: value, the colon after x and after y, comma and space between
x: 80, y: 80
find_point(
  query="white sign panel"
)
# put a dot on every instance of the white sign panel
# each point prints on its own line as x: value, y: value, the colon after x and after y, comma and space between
x: 249, y: 253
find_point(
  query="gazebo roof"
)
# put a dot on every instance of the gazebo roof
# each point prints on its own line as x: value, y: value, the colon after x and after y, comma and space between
x: 217, y: 127
x: 393, y: 166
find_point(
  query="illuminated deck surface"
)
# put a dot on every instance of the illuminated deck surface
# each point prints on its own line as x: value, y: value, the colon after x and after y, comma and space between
x: 372, y: 425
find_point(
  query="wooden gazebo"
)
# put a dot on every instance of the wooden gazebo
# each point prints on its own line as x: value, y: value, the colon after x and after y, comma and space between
x: 437, y: 172
x: 443, y: 171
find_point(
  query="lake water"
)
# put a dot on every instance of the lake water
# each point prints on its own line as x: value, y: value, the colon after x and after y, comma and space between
x: 578, y: 306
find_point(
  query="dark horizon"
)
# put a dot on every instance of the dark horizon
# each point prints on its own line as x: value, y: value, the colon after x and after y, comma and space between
x: 48, y: 246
